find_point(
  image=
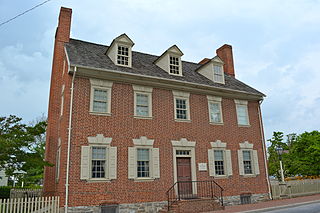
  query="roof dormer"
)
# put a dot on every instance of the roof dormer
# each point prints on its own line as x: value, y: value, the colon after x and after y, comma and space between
x: 120, y: 51
x: 212, y: 69
x: 170, y: 61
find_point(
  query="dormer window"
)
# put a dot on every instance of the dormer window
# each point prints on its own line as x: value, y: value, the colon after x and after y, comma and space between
x: 120, y: 51
x: 123, y: 55
x: 218, y: 74
x: 170, y: 61
x: 174, y: 65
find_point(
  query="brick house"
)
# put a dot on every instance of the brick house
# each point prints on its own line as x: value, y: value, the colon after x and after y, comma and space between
x: 128, y: 130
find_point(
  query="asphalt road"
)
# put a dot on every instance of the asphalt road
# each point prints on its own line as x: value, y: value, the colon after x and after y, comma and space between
x: 306, y: 208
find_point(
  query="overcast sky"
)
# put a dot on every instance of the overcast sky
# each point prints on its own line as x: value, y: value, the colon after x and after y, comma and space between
x: 276, y: 46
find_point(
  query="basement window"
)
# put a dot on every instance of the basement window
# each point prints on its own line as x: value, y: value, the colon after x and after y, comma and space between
x: 245, y: 198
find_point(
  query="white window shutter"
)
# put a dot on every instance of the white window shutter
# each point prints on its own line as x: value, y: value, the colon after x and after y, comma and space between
x: 211, y: 162
x: 112, y: 159
x: 240, y: 160
x: 85, y: 163
x: 228, y: 162
x: 155, y: 163
x: 256, y: 162
x: 132, y: 163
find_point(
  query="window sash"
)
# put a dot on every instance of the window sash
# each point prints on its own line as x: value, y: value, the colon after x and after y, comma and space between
x: 219, y: 162
x: 218, y: 73
x: 143, y: 162
x: 98, y: 162
x: 123, y: 55
x: 174, y: 65
x: 142, y: 104
x: 100, y: 100
x: 247, y: 162
x: 242, y: 114
x: 215, y: 112
x: 181, y: 108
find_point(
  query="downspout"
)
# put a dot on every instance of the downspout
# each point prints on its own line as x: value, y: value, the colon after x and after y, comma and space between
x: 264, y: 150
x: 69, y: 141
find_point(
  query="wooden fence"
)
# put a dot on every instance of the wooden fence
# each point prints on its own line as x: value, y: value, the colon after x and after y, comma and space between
x: 295, y: 188
x: 30, y: 205
x: 20, y: 193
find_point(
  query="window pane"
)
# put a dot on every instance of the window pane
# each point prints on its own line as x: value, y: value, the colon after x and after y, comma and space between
x: 246, y: 155
x: 143, y: 169
x: 143, y: 154
x: 142, y: 99
x: 100, y: 95
x: 242, y: 114
x: 218, y: 155
x: 181, y: 104
x: 98, y: 153
x: 215, y: 112
x: 218, y: 73
x: 174, y: 65
x: 98, y: 162
x: 99, y: 106
x: 142, y: 110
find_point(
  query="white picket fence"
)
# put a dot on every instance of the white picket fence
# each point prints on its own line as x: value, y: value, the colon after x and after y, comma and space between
x: 30, y: 205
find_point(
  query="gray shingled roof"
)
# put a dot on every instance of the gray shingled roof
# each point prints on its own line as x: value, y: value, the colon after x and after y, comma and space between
x: 88, y: 54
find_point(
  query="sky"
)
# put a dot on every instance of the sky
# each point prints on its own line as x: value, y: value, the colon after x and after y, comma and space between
x: 276, y: 47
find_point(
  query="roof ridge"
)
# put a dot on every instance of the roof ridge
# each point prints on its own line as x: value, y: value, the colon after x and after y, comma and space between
x: 190, y: 62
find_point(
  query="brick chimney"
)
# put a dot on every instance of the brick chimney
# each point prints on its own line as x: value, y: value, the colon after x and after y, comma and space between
x: 64, y: 25
x: 225, y: 53
x: 204, y: 61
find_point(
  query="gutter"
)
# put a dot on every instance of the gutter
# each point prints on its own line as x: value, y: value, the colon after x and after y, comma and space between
x: 69, y: 142
x: 264, y: 149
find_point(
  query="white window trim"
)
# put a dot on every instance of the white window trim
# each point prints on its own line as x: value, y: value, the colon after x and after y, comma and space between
x: 146, y: 91
x: 103, y: 85
x: 218, y: 100
x: 100, y: 141
x: 129, y: 55
x: 246, y: 146
x: 227, y: 159
x: 180, y: 64
x: 242, y: 103
x: 185, y: 96
x: 143, y: 143
x: 218, y: 64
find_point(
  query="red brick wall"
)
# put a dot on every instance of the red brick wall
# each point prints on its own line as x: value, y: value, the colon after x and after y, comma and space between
x: 122, y: 127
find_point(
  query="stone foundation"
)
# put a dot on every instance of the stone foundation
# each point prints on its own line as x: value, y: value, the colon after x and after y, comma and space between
x: 235, y: 200
x: 150, y: 207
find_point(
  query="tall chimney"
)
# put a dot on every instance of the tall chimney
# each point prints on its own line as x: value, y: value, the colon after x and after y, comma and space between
x: 64, y: 25
x: 225, y: 53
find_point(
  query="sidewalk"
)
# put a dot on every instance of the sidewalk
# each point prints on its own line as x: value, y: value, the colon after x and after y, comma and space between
x: 272, y: 204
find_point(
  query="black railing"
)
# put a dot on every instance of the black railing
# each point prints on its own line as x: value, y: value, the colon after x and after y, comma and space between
x: 184, y: 190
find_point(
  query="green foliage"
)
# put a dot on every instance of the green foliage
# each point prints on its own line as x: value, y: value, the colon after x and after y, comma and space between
x: 22, y: 148
x: 302, y: 155
x: 5, y: 192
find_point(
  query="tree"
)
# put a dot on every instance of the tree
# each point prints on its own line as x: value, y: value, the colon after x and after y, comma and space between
x: 273, y: 160
x: 305, y: 154
x: 22, y: 148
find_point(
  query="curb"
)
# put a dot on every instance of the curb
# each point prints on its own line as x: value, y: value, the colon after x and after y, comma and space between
x: 280, y: 207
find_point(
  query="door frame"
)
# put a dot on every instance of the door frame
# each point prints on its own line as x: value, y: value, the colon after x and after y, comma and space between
x: 192, y: 162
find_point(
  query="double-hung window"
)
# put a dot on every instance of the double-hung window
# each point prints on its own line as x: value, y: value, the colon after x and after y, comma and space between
x: 181, y: 106
x: 143, y: 160
x: 247, y: 163
x: 98, y: 159
x: 242, y: 112
x: 143, y: 163
x: 123, y: 55
x: 142, y: 101
x: 174, y: 65
x: 215, y: 109
x: 248, y: 160
x: 100, y: 99
x: 218, y: 75
x: 98, y: 162
x: 220, y: 163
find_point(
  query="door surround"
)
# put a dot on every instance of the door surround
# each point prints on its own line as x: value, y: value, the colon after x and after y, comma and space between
x: 184, y: 144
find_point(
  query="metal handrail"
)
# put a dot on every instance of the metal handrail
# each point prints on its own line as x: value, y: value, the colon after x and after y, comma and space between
x: 194, y: 190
